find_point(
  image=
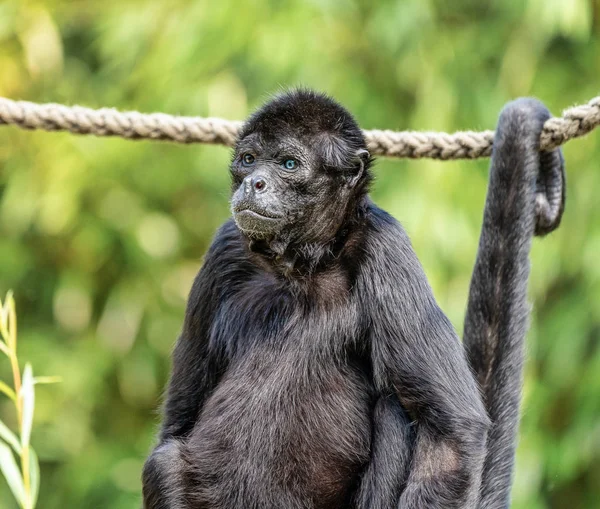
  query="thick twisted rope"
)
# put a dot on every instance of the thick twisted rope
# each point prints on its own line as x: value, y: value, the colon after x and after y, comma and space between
x: 575, y: 122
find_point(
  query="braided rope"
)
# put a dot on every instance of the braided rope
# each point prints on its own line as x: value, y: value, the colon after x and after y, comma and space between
x: 575, y: 122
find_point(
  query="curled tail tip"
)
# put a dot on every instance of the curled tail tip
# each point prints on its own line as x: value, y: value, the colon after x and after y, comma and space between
x: 523, y: 119
x: 550, y: 193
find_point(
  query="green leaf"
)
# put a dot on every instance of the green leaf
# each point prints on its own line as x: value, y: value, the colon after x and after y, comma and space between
x: 4, y: 320
x: 9, y: 437
x: 11, y: 473
x: 34, y: 473
x: 8, y: 391
x: 12, y: 323
x: 28, y: 395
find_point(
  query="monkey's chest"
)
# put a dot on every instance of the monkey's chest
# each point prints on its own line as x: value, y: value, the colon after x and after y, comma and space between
x: 282, y: 426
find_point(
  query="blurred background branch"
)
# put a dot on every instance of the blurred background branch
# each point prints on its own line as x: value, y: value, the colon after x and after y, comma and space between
x: 101, y: 238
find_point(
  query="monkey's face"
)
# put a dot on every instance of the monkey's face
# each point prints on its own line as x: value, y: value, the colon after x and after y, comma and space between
x: 282, y: 190
x: 298, y: 167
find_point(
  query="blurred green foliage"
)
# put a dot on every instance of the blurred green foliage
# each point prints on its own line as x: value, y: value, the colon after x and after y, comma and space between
x: 100, y: 238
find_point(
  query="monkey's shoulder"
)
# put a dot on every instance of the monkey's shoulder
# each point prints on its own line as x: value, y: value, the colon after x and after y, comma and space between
x: 390, y: 264
x: 227, y: 242
x: 386, y: 238
x: 225, y: 262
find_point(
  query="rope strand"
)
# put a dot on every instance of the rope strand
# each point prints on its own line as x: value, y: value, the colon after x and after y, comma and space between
x: 576, y: 121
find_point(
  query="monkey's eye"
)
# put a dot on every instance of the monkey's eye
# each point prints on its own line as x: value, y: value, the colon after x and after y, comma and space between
x: 290, y: 164
x: 247, y: 160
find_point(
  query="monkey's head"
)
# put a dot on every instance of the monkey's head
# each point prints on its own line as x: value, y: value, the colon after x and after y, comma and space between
x: 299, y: 168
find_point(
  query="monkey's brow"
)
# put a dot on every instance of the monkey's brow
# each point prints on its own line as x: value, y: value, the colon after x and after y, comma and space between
x: 288, y: 148
x: 285, y: 150
x: 250, y: 142
x: 252, y: 148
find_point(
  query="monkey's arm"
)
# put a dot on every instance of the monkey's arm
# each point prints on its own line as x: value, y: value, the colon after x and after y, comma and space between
x: 417, y: 355
x: 392, y: 443
x: 196, y: 369
x: 197, y: 365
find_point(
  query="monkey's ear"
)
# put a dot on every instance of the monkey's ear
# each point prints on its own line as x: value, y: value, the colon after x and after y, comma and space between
x: 337, y: 154
x: 334, y: 151
x: 362, y: 157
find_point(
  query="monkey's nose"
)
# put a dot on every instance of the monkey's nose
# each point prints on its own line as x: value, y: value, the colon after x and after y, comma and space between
x: 257, y: 184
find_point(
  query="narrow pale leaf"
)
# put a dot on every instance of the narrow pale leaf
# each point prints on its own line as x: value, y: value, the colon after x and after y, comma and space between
x: 11, y: 473
x: 47, y: 379
x: 9, y: 437
x: 12, y: 323
x: 8, y: 391
x: 34, y: 472
x: 28, y: 395
x: 4, y: 320
x: 5, y: 349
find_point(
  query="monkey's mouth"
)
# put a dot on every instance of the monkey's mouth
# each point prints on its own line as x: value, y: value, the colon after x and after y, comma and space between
x: 256, y: 215
x: 251, y: 211
x: 254, y: 222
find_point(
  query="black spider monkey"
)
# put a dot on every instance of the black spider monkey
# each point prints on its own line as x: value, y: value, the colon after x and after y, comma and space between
x: 315, y: 369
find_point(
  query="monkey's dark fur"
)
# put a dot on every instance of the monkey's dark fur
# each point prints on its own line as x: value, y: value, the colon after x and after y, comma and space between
x: 315, y: 369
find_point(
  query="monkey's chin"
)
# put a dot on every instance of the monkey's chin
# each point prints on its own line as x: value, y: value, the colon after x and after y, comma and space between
x: 256, y: 226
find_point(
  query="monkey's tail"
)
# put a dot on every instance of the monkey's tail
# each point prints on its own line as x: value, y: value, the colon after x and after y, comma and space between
x: 526, y: 195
